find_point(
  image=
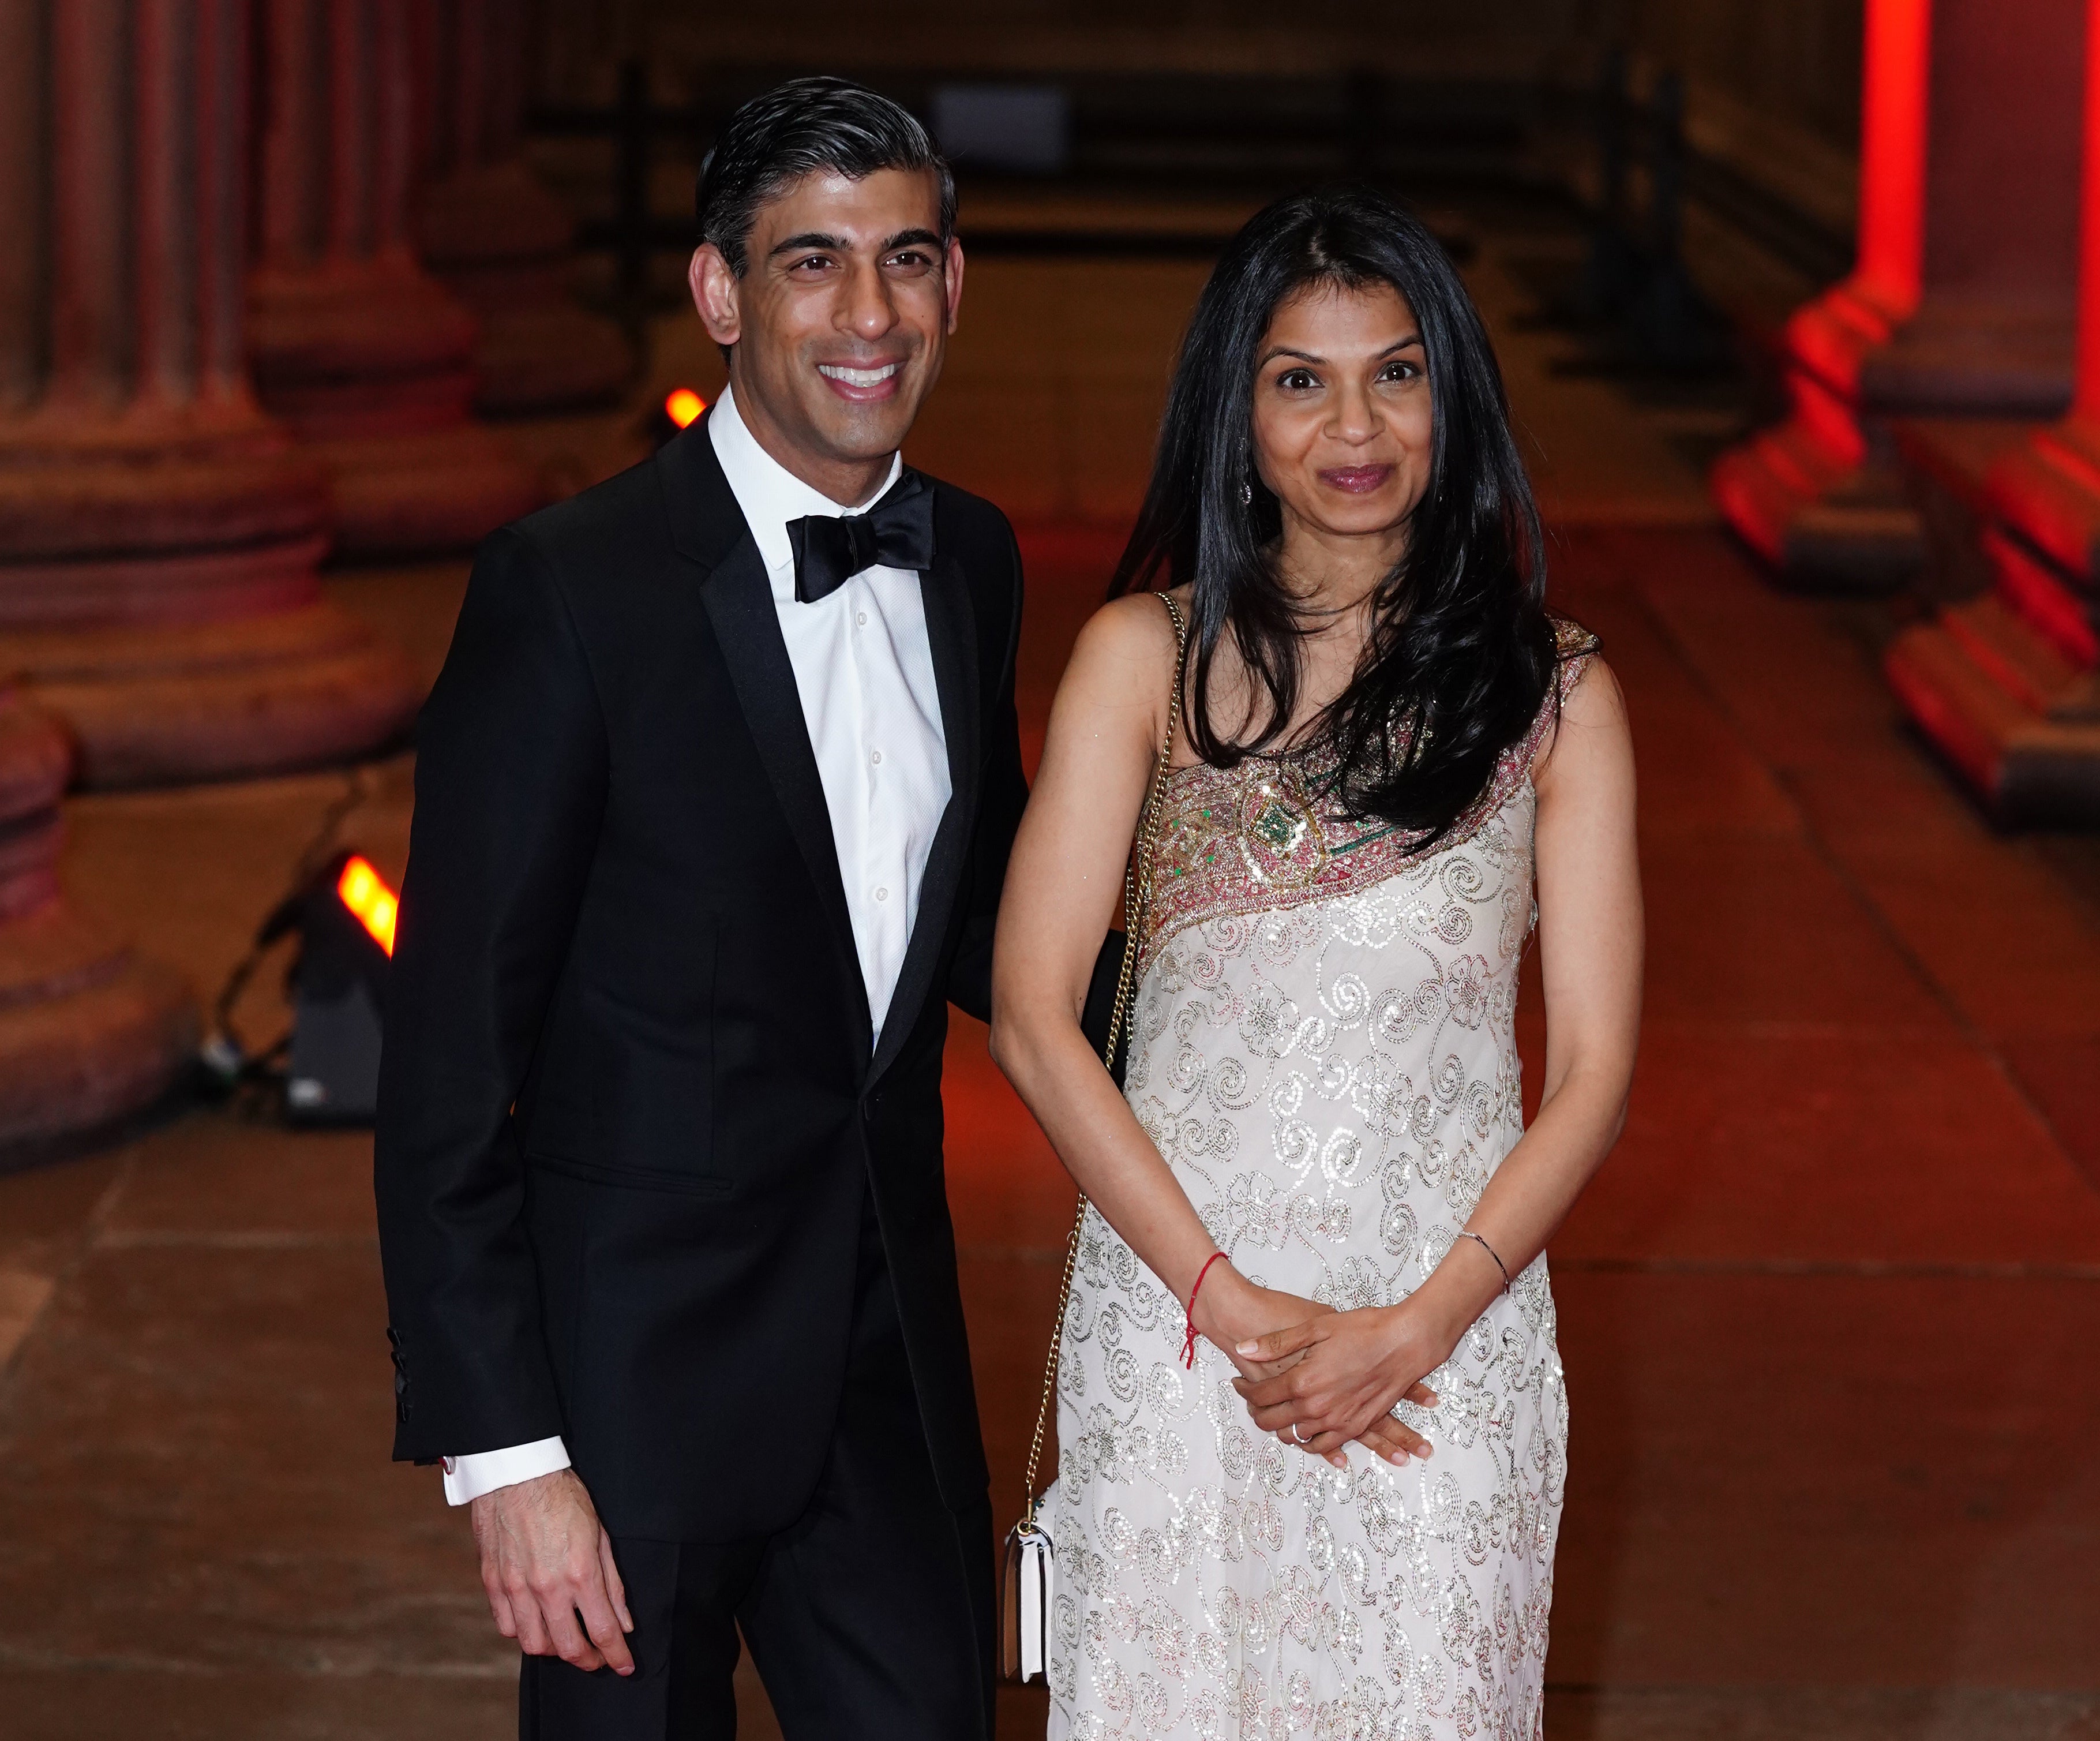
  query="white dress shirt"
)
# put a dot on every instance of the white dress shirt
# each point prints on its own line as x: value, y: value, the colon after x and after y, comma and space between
x: 864, y: 672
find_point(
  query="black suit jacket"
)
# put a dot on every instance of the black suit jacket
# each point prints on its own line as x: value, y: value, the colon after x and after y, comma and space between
x: 628, y: 1111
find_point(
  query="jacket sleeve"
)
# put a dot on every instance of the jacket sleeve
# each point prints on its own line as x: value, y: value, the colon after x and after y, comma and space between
x: 1005, y: 795
x: 511, y: 773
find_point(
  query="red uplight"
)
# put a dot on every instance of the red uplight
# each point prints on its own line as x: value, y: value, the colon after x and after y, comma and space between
x: 1895, y: 105
x: 364, y: 892
x: 682, y: 405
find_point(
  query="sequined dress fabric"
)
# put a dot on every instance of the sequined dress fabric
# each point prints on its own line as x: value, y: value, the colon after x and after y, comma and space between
x: 1325, y: 1053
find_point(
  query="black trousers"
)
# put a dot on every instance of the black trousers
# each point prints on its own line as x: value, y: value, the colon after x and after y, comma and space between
x: 871, y: 1617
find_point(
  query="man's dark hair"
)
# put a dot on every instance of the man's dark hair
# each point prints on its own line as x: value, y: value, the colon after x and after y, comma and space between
x: 795, y: 130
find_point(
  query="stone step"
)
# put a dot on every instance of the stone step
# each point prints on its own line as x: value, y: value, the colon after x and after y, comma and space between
x: 1820, y: 525
x: 2022, y: 662
x: 2026, y: 767
x: 2035, y: 587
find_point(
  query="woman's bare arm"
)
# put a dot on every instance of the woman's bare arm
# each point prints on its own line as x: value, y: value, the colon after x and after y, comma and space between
x: 1063, y: 885
x: 1358, y: 1364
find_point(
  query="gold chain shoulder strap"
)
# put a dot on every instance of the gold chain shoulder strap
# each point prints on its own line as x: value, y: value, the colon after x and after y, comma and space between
x: 1137, y: 904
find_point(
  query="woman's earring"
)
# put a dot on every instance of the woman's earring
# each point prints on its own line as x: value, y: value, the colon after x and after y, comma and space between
x: 1246, y: 493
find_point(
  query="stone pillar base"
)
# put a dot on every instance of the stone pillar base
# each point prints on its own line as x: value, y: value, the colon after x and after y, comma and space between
x: 160, y: 599
x: 1819, y: 527
x: 165, y: 704
x: 1822, y: 507
x: 2004, y: 684
x: 2020, y: 724
x: 1975, y: 356
x: 89, y: 1034
x: 370, y: 365
x: 503, y: 245
x: 424, y: 493
x: 359, y: 347
x: 1947, y: 463
x: 2048, y: 491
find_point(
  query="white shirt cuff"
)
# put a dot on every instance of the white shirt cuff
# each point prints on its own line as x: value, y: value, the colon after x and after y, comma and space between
x: 468, y: 1478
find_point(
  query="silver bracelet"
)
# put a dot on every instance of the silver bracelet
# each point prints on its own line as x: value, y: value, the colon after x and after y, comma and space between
x: 1467, y: 1233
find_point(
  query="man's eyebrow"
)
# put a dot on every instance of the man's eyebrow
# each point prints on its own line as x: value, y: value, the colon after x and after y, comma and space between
x: 817, y: 240
x: 810, y: 239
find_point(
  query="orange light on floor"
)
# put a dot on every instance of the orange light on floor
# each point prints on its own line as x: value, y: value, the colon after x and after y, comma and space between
x: 364, y: 892
x: 681, y: 404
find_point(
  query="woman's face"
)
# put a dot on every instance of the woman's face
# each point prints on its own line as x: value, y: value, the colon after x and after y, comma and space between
x: 1343, y: 419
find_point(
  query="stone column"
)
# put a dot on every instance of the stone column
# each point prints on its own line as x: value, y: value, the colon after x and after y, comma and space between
x: 364, y: 355
x: 158, y: 533
x: 2004, y: 683
x: 487, y: 229
x: 90, y: 1033
x: 1962, y: 304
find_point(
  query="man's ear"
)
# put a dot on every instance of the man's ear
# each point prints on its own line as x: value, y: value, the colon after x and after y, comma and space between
x: 954, y: 284
x: 715, y: 294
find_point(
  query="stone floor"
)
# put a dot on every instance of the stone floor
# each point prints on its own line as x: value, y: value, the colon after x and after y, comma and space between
x: 1830, y: 1315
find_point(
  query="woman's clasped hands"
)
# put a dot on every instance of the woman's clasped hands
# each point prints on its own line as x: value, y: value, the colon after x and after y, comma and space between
x: 1318, y: 1378
x: 1335, y: 1376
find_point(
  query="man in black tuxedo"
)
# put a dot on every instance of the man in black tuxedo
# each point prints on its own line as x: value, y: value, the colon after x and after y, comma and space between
x: 713, y: 802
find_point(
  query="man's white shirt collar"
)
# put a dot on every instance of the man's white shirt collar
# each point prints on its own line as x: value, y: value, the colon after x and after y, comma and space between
x: 769, y: 494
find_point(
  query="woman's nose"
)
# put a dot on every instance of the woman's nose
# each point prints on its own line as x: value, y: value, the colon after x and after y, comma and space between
x: 1355, y: 418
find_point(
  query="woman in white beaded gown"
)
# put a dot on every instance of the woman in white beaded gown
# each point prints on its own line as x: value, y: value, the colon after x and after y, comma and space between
x: 1393, y: 773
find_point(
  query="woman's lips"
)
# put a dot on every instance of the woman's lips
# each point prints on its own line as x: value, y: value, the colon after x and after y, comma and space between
x: 1358, y: 481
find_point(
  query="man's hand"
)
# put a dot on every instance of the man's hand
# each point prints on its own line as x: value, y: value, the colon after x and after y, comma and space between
x: 546, y: 1559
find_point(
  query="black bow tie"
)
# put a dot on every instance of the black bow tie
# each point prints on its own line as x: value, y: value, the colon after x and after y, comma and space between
x: 897, y: 532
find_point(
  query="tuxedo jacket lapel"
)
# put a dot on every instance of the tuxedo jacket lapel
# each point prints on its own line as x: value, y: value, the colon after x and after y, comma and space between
x: 708, y: 530
x: 951, y: 635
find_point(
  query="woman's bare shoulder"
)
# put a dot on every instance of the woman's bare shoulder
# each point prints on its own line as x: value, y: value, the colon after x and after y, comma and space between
x: 1129, y: 640
x: 1594, y: 698
x: 1592, y: 723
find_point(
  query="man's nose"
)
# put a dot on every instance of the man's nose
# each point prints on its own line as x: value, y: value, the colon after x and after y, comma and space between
x: 870, y: 310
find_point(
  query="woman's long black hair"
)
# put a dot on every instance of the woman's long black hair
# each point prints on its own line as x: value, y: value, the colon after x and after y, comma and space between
x: 1461, y: 652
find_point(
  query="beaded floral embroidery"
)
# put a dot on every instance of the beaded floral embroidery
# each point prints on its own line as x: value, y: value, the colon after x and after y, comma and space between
x: 1270, y: 833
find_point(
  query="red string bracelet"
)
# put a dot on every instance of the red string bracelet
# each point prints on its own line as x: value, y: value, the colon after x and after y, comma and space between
x: 1188, y: 1341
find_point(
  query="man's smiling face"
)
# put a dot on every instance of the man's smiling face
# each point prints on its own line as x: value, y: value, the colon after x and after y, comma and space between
x: 839, y: 321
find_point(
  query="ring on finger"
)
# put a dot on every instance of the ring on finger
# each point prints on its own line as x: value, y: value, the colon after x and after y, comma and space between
x: 1296, y: 1436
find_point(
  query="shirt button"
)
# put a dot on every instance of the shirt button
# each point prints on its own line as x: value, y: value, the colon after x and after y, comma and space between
x: 882, y: 895
x: 876, y: 757
x: 860, y: 619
